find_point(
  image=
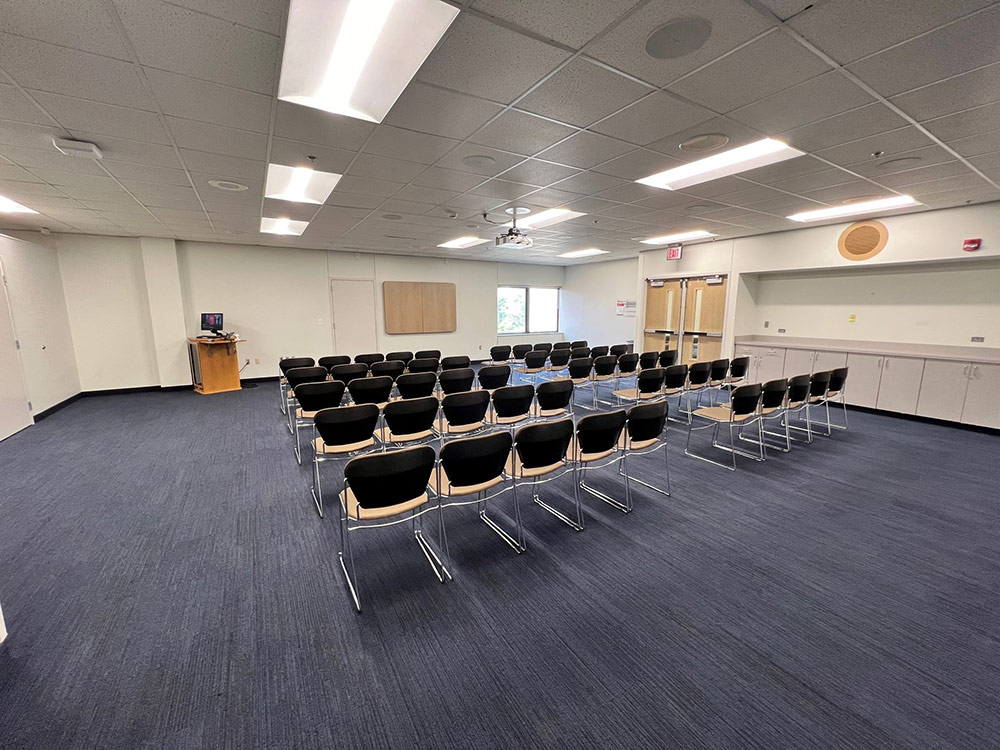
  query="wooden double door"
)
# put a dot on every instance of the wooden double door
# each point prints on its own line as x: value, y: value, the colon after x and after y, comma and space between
x: 687, y: 315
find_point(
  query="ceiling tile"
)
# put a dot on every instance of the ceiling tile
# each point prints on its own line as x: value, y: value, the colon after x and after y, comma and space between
x: 751, y: 194
x: 16, y: 106
x: 16, y: 190
x: 849, y: 126
x: 106, y: 119
x: 845, y: 192
x: 31, y: 158
x: 891, y: 144
x: 629, y: 192
x: 900, y: 180
x: 967, y: 181
x: 15, y: 173
x: 82, y: 24
x: 586, y: 149
x: 425, y: 194
x: 195, y: 99
x: 408, y: 145
x: 567, y: 21
x: 976, y: 145
x: 146, y: 173
x: 901, y: 161
x: 312, y: 125
x: 737, y: 133
x: 474, y: 50
x: 296, y: 153
x: 582, y: 93
x: 653, y: 118
x: 587, y: 183
x: 382, y: 168
x: 502, y: 189
x: 963, y: 124
x: 502, y: 160
x: 955, y: 94
x: 521, y: 133
x: 135, y: 152
x: 366, y: 186
x: 785, y: 206
x: 638, y: 164
x: 288, y: 209
x: 264, y: 15
x: 448, y: 179
x: 536, y: 172
x: 815, y: 181
x: 768, y: 65
x: 445, y: 113
x: 89, y: 182
x: 222, y: 167
x: 202, y: 136
x: 961, y: 197
x: 785, y: 170
x: 550, y: 198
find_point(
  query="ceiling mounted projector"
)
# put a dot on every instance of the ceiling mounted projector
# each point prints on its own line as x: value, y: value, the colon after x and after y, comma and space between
x: 513, y: 239
x: 83, y: 149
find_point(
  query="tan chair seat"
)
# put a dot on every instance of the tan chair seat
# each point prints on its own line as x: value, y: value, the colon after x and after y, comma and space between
x: 721, y: 414
x: 731, y: 379
x: 386, y: 435
x: 581, y: 381
x: 514, y: 468
x: 635, y: 445
x: 299, y: 414
x: 458, y: 429
x: 492, y: 418
x: 633, y: 393
x: 322, y: 447
x: 602, y: 378
x: 716, y: 383
x: 586, y: 457
x: 380, y: 406
x: 795, y: 404
x: 832, y: 394
x: 696, y: 387
x: 536, y: 412
x: 447, y: 488
x: 672, y: 391
x: 370, y: 514
x: 815, y: 399
x: 769, y: 410
x: 529, y: 370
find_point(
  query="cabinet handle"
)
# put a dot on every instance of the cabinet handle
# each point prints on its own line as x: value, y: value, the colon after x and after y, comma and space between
x: 965, y: 371
x: 879, y: 364
x: 887, y: 363
x: 975, y: 371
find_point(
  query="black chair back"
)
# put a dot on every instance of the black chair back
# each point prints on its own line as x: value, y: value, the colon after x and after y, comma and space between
x: 370, y: 390
x: 599, y: 351
x: 773, y: 394
x: 837, y: 379
x: 385, y: 479
x: 465, y: 408
x: 416, y: 384
x: 288, y: 363
x: 412, y: 416
x: 391, y: 367
x: 719, y: 370
x: 699, y: 372
x: 580, y: 368
x: 668, y: 357
x: 315, y: 396
x: 646, y: 421
x: 472, y: 461
x: 545, y: 444
x: 494, y: 376
x: 299, y: 375
x: 619, y: 349
x: 535, y: 360
x: 798, y: 389
x: 605, y: 365
x: 403, y: 357
x: 738, y: 367
x: 347, y: 424
x: 597, y: 433
x: 455, y: 363
x: 428, y: 354
x: 369, y: 359
x: 675, y: 376
x: 519, y: 350
x: 513, y: 400
x: 561, y: 345
x: 456, y: 381
x: 559, y: 357
x: 818, y: 386
x: 650, y: 381
x: 347, y: 373
x: 556, y: 394
x: 745, y: 399
x: 578, y: 344
x: 627, y: 363
x: 546, y: 347
x: 499, y: 353
x: 423, y: 364
x: 334, y: 360
x: 648, y: 360
x: 580, y: 352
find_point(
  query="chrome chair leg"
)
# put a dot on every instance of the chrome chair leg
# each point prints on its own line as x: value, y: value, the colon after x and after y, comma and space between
x: 625, y: 507
x: 345, y: 542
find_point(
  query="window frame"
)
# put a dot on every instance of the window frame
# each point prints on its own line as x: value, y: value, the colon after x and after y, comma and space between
x: 527, y: 308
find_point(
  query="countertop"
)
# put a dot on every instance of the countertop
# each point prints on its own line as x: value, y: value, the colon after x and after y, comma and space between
x: 983, y: 354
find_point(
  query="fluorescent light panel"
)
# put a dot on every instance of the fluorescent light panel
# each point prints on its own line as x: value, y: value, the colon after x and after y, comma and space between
x: 735, y: 160
x: 546, y: 218
x: 299, y: 184
x: 355, y: 57
x: 7, y: 206
x: 852, y: 209
x: 282, y: 226
x: 583, y: 253
x: 463, y: 242
x: 697, y: 234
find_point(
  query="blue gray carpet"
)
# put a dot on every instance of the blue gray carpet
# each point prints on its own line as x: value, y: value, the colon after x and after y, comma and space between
x: 167, y: 584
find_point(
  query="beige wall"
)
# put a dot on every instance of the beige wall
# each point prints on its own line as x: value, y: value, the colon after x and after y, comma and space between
x: 589, y: 299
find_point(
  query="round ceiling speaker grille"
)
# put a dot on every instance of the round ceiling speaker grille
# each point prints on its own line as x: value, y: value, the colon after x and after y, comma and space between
x: 228, y: 185
x: 701, y: 144
x: 863, y: 240
x: 678, y: 38
x: 479, y: 161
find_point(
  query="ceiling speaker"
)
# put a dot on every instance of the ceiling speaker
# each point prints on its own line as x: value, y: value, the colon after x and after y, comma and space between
x: 863, y: 240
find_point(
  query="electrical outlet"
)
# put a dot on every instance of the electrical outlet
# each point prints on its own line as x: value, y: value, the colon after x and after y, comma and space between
x: 767, y: 324
x: 781, y: 330
x: 257, y: 361
x: 978, y: 339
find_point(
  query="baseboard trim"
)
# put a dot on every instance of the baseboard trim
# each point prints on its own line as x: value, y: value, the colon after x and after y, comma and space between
x: 267, y: 379
x: 53, y: 409
x: 926, y: 420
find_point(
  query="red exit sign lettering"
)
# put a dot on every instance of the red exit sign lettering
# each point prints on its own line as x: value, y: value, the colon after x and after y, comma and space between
x: 674, y: 252
x: 972, y: 245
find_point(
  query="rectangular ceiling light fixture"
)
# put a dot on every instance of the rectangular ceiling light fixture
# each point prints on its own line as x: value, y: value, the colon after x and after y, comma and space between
x: 282, y: 226
x: 463, y: 242
x: 299, y: 184
x: 851, y: 209
x: 583, y: 253
x: 355, y: 57
x: 735, y: 160
x: 7, y: 206
x: 697, y: 234
x: 546, y: 218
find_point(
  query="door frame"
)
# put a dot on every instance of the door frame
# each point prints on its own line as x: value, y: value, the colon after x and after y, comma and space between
x: 333, y: 316
x: 8, y: 310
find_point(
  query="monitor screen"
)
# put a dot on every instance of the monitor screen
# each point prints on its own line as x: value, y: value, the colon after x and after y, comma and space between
x: 211, y: 321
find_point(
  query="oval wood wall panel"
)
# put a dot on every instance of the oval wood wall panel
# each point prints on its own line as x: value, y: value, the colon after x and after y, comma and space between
x: 863, y: 240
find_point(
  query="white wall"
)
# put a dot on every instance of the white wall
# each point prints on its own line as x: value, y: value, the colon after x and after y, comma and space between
x: 589, y: 299
x: 38, y: 306
x: 166, y: 310
x: 3, y: 628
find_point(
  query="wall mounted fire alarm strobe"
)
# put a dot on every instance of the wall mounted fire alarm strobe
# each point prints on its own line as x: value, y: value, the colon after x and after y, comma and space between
x: 970, y: 246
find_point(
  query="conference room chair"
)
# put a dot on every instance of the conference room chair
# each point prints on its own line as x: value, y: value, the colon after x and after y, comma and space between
x: 312, y: 397
x: 597, y: 444
x: 558, y: 361
x: 375, y: 390
x: 735, y: 416
x: 403, y: 357
x: 534, y: 363
x: 347, y: 373
x: 581, y: 375
x: 511, y: 405
x: 393, y: 368
x: 819, y: 384
x: 455, y: 363
x: 599, y: 351
x: 428, y: 354
x: 561, y: 345
x: 605, y: 371
x: 645, y: 433
x: 552, y: 399
x: 463, y: 414
x: 717, y: 375
x: 543, y: 347
x: 416, y: 385
x: 343, y: 432
x: 369, y: 359
x: 387, y: 489
x: 835, y: 394
x: 649, y: 360
x: 499, y: 355
x: 492, y: 377
x: 456, y: 381
x: 472, y: 471
x: 578, y: 344
x: 773, y: 402
x: 667, y: 358
x: 539, y: 456
x: 796, y: 404
x: 284, y: 365
x: 648, y: 386
x: 674, y: 384
x: 738, y: 370
x: 627, y: 364
x: 619, y: 349
x: 333, y: 360
x: 580, y: 352
x: 698, y: 375
x: 409, y: 421
x: 423, y: 364
x: 296, y: 376
x: 517, y: 353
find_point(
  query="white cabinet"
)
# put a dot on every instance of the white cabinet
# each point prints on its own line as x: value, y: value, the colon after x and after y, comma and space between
x: 863, y: 376
x: 900, y: 385
x: 824, y: 361
x: 798, y: 362
x: 751, y: 352
x: 982, y: 400
x: 942, y: 389
x: 770, y: 364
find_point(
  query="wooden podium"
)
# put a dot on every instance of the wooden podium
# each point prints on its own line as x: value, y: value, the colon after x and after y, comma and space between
x: 214, y: 366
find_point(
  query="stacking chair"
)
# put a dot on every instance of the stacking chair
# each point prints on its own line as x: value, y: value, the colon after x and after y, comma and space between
x: 456, y: 381
x: 455, y: 363
x: 499, y: 355
x: 493, y: 377
x: 674, y: 382
x: 596, y: 444
x: 384, y: 490
x: 835, y: 393
x: 511, y: 405
x: 773, y: 402
x: 561, y: 345
x: 819, y: 384
x: 698, y: 375
x: 605, y: 370
x: 423, y: 364
x: 580, y: 352
x: 796, y: 403
x: 371, y: 390
x: 416, y: 385
x: 391, y: 367
x: 739, y: 413
x: 540, y: 455
x: 347, y: 373
x: 558, y: 361
x: 284, y: 365
x: 333, y: 360
x: 718, y: 376
x: 297, y: 376
x: 738, y: 369
x: 403, y: 357
x: 534, y: 363
x: 369, y: 359
x: 517, y: 353
x: 619, y: 349
x: 648, y: 386
x: 581, y: 375
x: 463, y: 413
x: 428, y: 354
x: 409, y: 422
x: 627, y: 364
x: 469, y: 471
x: 578, y: 344
x: 649, y: 360
x: 668, y: 357
x: 543, y: 347
x: 599, y: 351
x: 313, y: 397
x: 645, y: 433
x: 553, y: 399
x: 343, y: 432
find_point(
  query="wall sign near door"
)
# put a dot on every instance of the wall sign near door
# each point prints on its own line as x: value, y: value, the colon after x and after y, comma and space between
x: 675, y: 251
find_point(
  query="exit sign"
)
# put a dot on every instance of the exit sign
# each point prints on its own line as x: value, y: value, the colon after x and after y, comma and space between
x: 674, y: 251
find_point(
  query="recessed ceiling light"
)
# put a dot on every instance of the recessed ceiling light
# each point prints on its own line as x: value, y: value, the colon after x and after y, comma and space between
x: 299, y: 184
x: 355, y: 57
x: 583, y: 253
x: 678, y: 38
x: 697, y: 234
x: 7, y: 206
x: 882, y: 204
x: 701, y: 144
x: 392, y: 217
x: 282, y: 226
x: 548, y: 218
x: 899, y: 160
x: 463, y: 242
x: 735, y: 160
x: 228, y: 185
x: 479, y: 161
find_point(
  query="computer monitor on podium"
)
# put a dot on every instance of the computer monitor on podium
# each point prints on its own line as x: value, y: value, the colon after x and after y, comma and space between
x: 211, y: 322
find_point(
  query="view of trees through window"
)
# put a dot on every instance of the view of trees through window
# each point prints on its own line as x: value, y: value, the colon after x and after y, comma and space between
x: 527, y: 309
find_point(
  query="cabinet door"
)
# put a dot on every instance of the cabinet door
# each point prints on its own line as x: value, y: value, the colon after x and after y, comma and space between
x: 942, y: 389
x: 900, y: 384
x: 982, y: 400
x: 771, y: 364
x: 798, y: 362
x: 829, y: 361
x: 751, y: 352
x: 864, y: 371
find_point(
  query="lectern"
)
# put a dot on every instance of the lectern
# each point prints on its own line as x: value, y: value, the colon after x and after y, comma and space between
x: 214, y: 366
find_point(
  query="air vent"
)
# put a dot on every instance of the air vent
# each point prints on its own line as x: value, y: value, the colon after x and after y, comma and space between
x: 863, y: 240
x: 701, y: 144
x: 678, y: 38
